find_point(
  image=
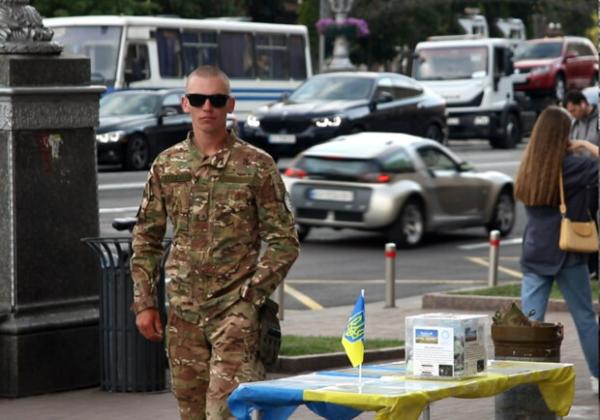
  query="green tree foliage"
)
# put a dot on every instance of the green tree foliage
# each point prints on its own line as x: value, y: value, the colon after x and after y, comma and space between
x: 53, y: 8
x: 181, y: 8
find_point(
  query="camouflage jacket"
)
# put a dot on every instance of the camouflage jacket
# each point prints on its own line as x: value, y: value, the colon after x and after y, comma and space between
x: 221, y: 207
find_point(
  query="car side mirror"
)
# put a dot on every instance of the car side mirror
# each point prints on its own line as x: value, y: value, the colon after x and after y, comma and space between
x: 569, y: 55
x: 284, y: 96
x: 465, y: 167
x: 168, y: 111
x: 383, y: 97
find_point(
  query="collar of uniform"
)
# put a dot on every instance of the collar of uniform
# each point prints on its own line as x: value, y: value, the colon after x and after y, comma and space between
x: 219, y: 159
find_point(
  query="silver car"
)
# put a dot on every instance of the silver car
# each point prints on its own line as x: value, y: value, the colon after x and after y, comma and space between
x: 402, y: 185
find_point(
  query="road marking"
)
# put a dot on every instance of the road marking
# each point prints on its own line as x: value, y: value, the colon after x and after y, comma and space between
x: 514, y: 241
x: 301, y: 297
x: 121, y: 186
x: 118, y: 210
x: 382, y: 281
x: 485, y: 263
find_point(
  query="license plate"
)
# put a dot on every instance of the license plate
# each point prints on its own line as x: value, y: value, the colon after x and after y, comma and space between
x: 282, y: 139
x: 332, y: 195
x: 453, y: 121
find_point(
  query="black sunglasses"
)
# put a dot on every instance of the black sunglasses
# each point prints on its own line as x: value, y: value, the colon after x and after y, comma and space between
x: 197, y: 99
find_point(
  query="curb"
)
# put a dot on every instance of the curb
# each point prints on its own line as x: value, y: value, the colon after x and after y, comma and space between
x: 483, y: 303
x: 311, y: 363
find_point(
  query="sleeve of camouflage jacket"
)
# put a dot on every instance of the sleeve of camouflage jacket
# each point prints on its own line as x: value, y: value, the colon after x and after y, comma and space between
x: 147, y: 245
x: 277, y: 229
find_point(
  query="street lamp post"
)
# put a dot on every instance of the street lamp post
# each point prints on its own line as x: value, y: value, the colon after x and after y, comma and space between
x: 340, y: 60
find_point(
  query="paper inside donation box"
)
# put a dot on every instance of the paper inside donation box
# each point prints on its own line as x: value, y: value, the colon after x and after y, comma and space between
x: 446, y: 346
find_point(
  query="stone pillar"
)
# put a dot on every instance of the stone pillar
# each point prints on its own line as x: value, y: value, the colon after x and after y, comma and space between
x: 48, y: 202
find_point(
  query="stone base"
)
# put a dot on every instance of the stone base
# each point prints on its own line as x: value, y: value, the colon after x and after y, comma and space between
x: 49, y: 351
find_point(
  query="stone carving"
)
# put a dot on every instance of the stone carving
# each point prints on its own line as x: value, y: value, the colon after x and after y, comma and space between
x: 22, y: 30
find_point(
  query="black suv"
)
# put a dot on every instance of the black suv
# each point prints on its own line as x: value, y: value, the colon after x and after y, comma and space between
x: 331, y: 104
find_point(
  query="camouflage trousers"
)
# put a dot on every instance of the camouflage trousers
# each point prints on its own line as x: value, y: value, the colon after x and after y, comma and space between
x: 209, y: 360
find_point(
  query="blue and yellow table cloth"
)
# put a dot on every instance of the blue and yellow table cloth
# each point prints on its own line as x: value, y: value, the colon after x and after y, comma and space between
x: 385, y: 389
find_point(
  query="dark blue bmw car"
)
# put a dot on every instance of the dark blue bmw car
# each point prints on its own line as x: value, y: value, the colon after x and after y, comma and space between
x: 332, y: 104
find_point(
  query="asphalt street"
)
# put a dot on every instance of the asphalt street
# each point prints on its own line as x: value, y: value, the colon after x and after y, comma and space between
x: 334, y: 265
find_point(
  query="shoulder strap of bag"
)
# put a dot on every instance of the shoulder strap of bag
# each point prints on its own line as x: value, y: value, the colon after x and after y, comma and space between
x: 563, y: 206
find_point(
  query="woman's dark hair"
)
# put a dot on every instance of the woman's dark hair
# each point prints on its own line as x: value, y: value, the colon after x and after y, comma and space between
x: 537, y: 178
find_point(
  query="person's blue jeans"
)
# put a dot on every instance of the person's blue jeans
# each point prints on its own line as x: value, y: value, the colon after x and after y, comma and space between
x: 574, y: 284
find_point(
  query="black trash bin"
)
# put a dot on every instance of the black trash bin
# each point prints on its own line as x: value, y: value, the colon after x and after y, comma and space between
x: 128, y: 362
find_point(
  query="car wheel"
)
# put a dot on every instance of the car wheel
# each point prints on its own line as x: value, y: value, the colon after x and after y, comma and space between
x: 137, y: 153
x: 512, y: 134
x: 303, y: 231
x: 503, y: 217
x: 560, y: 88
x: 409, y: 229
x: 434, y: 132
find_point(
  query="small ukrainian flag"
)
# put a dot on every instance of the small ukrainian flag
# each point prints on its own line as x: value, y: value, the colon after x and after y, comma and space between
x: 354, y: 336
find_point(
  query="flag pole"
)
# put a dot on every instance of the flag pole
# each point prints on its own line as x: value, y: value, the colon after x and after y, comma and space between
x: 362, y: 292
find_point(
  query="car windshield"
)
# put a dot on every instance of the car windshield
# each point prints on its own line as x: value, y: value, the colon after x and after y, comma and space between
x: 536, y: 50
x: 450, y: 63
x: 333, y: 88
x: 99, y: 43
x: 117, y: 104
x: 337, y: 168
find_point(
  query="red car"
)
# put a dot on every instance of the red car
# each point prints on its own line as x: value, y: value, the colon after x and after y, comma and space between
x: 551, y: 66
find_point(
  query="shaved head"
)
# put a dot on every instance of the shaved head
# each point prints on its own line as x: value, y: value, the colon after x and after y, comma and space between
x: 206, y: 72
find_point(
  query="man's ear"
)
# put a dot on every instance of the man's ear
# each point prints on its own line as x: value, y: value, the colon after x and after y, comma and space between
x: 230, y: 104
x: 185, y: 104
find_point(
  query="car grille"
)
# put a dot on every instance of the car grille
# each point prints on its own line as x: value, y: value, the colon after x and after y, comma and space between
x: 311, y: 213
x: 341, y: 216
x: 348, y: 216
x: 287, y: 126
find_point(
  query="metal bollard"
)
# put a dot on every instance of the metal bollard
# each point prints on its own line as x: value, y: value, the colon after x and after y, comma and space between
x: 280, y: 297
x: 494, y: 251
x: 390, y: 275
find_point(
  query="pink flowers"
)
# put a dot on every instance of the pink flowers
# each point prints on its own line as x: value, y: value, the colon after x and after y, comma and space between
x: 349, y: 27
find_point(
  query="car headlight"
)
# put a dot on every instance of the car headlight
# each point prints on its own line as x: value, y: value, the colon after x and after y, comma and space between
x: 540, y: 70
x: 328, y: 121
x: 252, y: 121
x: 110, y: 137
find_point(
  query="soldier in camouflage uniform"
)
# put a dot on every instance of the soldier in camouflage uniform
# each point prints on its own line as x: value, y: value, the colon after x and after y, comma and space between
x: 223, y: 197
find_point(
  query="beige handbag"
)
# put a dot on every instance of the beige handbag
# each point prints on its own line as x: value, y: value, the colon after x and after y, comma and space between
x: 575, y: 236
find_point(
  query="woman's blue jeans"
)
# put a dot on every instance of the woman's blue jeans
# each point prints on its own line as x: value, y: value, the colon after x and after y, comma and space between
x: 574, y: 284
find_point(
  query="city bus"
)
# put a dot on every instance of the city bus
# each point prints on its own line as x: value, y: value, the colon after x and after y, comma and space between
x: 263, y: 60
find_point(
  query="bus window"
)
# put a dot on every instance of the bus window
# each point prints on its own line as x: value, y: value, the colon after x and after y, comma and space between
x: 99, y: 43
x: 297, y: 57
x: 169, y: 53
x: 137, y: 66
x: 199, y: 49
x: 236, y: 55
x: 271, y: 57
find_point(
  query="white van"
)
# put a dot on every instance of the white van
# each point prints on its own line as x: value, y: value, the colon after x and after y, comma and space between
x: 263, y: 60
x: 474, y: 76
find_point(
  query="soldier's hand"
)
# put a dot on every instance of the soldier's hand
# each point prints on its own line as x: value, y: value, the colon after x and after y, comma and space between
x: 149, y: 324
